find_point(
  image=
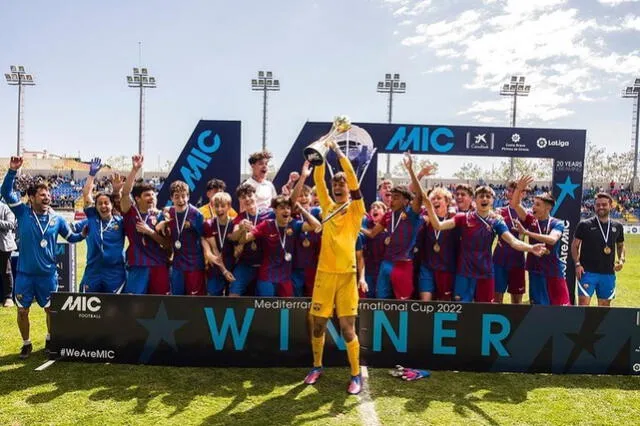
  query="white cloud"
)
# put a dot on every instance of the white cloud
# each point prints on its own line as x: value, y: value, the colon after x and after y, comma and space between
x: 440, y: 68
x: 616, y: 2
x: 563, y: 54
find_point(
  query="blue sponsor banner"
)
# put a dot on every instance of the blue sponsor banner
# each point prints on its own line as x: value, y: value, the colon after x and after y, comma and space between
x: 212, y: 151
x: 565, y: 146
x: 274, y: 332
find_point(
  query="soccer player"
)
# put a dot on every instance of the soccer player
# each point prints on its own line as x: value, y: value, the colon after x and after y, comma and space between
x: 594, y: 247
x: 218, y: 247
x: 439, y: 251
x: 374, y: 248
x: 307, y: 249
x: 402, y: 222
x: 464, y: 198
x: 38, y: 230
x: 146, y: 254
x: 7, y: 245
x: 249, y: 256
x: 335, y: 282
x: 105, y: 270
x: 213, y: 187
x: 547, y: 284
x: 185, y: 228
x: 474, y: 272
x: 265, y: 191
x: 384, y: 192
x: 278, y: 241
x: 508, y: 264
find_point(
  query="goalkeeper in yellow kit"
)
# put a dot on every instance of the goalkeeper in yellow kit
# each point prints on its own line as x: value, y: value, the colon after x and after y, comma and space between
x: 336, y: 282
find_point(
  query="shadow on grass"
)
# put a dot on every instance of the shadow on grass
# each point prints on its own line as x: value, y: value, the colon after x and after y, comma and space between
x: 179, y: 387
x: 466, y: 390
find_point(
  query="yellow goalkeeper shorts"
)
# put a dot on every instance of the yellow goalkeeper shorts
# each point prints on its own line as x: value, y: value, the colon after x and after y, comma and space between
x: 339, y: 289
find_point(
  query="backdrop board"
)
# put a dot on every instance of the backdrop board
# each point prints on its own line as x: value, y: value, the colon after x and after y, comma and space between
x: 269, y: 332
x: 565, y: 147
x: 212, y: 151
x: 65, y: 265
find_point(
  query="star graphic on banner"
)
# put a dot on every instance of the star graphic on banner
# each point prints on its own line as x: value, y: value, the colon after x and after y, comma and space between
x: 586, y: 338
x: 160, y: 328
x: 566, y: 188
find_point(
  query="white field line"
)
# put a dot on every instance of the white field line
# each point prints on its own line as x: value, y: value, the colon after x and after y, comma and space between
x: 366, y: 408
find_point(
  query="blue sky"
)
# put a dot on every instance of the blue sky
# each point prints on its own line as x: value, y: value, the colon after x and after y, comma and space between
x: 328, y: 55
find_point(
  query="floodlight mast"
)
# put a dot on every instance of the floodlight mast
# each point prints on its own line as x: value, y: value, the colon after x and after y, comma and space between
x: 141, y: 80
x: 19, y: 77
x: 391, y: 84
x: 265, y: 82
x: 516, y: 87
x: 633, y: 92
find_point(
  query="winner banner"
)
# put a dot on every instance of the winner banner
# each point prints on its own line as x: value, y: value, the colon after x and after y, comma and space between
x: 273, y: 332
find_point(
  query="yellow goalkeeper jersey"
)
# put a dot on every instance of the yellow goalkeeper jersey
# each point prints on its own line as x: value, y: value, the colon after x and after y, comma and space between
x: 339, y: 235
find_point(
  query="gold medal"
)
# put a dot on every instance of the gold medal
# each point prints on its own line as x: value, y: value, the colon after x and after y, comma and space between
x: 403, y: 216
x: 607, y: 250
x: 436, y: 248
x: 289, y: 231
x: 306, y: 243
x: 387, y: 241
x: 254, y: 246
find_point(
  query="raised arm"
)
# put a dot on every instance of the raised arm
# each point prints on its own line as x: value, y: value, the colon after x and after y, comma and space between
x: 310, y: 222
x: 433, y: 217
x: 94, y: 167
x: 304, y: 175
x: 416, y: 203
x: 125, y: 202
x: 357, y: 200
x: 321, y: 187
x: 12, y: 198
x: 516, y: 199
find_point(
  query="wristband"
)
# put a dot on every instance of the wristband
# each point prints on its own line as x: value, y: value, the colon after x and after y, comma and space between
x: 578, y: 264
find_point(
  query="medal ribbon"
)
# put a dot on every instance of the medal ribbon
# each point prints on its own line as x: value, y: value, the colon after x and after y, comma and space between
x: 606, y: 237
x: 43, y: 231
x: 179, y: 227
x: 222, y: 237
x: 106, y: 228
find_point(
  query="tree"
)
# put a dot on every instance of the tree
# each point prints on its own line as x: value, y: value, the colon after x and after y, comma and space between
x: 120, y: 163
x: 419, y: 163
x: 469, y: 171
x: 539, y: 168
x: 594, y: 159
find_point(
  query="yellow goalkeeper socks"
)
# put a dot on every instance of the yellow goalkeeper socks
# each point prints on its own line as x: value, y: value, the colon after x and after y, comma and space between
x: 317, y: 345
x: 353, y: 353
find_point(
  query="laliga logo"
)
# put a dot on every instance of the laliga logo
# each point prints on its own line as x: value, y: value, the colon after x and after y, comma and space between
x: 543, y: 143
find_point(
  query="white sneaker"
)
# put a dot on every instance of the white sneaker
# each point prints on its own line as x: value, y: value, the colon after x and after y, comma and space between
x: 8, y: 303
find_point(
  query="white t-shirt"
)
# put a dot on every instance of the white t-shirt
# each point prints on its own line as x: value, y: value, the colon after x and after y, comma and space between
x: 265, y: 191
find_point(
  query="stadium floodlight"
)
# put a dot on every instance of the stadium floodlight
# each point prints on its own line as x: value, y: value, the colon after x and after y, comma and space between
x: 19, y: 77
x: 141, y: 80
x: 391, y: 85
x: 516, y: 87
x: 633, y: 92
x: 265, y: 82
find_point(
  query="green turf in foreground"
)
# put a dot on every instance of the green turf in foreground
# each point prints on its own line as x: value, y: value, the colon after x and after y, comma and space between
x: 102, y: 394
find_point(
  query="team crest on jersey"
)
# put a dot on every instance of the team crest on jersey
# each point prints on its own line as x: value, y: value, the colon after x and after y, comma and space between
x: 187, y: 224
x: 289, y: 231
x: 317, y: 306
x: 116, y: 227
x: 403, y: 216
x: 613, y: 228
x: 52, y: 222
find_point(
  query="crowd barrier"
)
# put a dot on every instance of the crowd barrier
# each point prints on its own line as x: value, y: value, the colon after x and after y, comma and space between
x: 273, y: 332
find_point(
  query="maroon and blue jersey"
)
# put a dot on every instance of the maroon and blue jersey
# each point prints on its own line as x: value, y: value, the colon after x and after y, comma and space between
x: 306, y: 254
x: 189, y: 257
x: 476, y: 239
x: 210, y: 230
x: 250, y: 256
x: 142, y: 250
x: 548, y: 265
x: 445, y: 259
x: 274, y: 268
x: 374, y: 249
x: 504, y: 255
x: 403, y: 238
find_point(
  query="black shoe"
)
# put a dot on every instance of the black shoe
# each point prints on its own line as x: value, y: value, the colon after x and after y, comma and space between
x: 25, y: 351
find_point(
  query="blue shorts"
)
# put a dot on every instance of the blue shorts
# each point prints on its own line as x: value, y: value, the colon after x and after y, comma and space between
x: 297, y: 277
x: 538, y: 294
x: 28, y: 286
x: 384, y: 290
x: 426, y: 281
x: 604, y: 285
x: 244, y: 275
x: 103, y: 279
x: 148, y: 280
x: 216, y: 285
x: 468, y: 289
x: 371, y: 283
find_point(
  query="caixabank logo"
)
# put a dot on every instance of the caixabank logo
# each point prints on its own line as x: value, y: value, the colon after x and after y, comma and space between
x: 543, y: 143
